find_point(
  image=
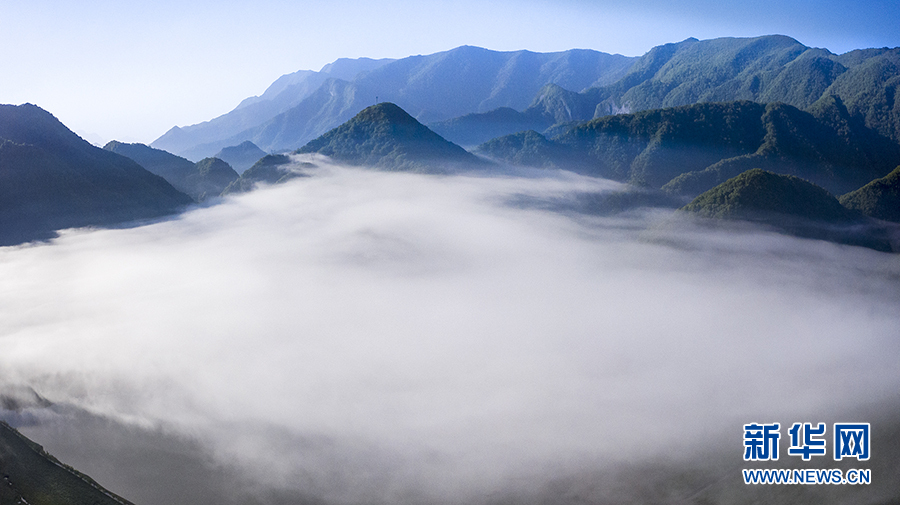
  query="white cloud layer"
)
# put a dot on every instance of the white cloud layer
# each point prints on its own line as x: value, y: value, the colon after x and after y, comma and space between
x: 381, y: 336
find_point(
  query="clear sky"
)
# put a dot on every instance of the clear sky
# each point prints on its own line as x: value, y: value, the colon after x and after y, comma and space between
x: 131, y: 69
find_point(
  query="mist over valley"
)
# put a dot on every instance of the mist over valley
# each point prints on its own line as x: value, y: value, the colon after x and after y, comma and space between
x: 471, y: 276
x: 384, y: 337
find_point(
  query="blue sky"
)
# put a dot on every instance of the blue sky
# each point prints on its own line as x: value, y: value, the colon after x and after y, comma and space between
x: 130, y: 70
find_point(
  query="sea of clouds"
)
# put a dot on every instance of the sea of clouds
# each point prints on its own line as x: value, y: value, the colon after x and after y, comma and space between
x: 379, y: 337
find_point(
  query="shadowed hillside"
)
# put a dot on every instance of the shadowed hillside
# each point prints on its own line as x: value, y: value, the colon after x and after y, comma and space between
x: 51, y: 179
x: 200, y: 180
x: 32, y: 476
x: 791, y: 205
x: 879, y: 199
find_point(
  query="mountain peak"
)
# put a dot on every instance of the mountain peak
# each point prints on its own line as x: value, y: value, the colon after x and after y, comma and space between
x: 385, y: 136
x: 385, y: 112
x: 32, y: 125
x: 242, y: 156
x: 348, y: 68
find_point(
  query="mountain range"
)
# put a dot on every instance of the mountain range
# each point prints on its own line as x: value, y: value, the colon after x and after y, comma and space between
x: 470, y: 95
x: 431, y: 88
x: 765, y: 69
x: 689, y: 149
x: 681, y: 151
x: 706, y: 111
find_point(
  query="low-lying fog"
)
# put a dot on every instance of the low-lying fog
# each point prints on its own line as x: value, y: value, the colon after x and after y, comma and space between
x: 381, y: 337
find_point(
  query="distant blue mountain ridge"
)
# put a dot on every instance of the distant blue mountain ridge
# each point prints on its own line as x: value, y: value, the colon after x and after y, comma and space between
x: 301, y: 106
x: 470, y: 95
